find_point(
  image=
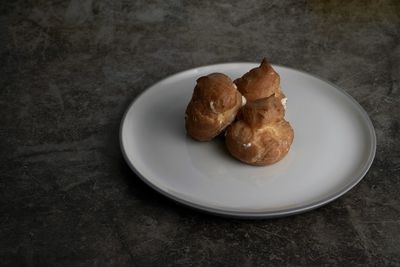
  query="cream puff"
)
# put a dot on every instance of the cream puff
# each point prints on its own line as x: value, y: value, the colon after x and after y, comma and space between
x: 261, y: 135
x: 260, y: 82
x: 213, y: 106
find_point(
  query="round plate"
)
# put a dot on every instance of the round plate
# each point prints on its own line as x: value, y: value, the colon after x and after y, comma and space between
x: 333, y: 148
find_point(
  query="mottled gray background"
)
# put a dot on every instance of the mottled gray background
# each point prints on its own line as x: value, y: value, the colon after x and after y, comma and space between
x: 69, y: 70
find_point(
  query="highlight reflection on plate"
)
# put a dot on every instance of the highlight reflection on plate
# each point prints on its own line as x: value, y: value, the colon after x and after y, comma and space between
x: 333, y: 148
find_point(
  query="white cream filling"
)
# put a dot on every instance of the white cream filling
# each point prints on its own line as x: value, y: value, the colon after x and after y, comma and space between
x: 247, y: 145
x: 284, y: 100
x: 212, y: 107
x: 244, y: 101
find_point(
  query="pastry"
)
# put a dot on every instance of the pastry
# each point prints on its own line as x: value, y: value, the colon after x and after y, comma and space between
x: 260, y: 82
x: 213, y: 106
x: 261, y: 135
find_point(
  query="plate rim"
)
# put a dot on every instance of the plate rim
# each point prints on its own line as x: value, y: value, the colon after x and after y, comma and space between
x: 256, y: 214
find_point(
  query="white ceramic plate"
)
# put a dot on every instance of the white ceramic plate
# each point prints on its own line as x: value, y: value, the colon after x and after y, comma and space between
x: 333, y: 148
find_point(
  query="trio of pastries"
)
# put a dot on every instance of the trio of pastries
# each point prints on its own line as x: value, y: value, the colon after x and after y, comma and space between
x: 250, y: 110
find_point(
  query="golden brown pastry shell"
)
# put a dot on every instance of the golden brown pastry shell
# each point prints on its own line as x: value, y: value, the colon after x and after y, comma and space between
x: 260, y: 82
x: 213, y: 106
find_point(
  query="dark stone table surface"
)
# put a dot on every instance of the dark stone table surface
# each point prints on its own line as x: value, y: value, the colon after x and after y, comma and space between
x: 68, y: 71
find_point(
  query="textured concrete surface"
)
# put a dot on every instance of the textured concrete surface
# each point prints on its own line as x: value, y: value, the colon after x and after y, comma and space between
x: 70, y: 68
